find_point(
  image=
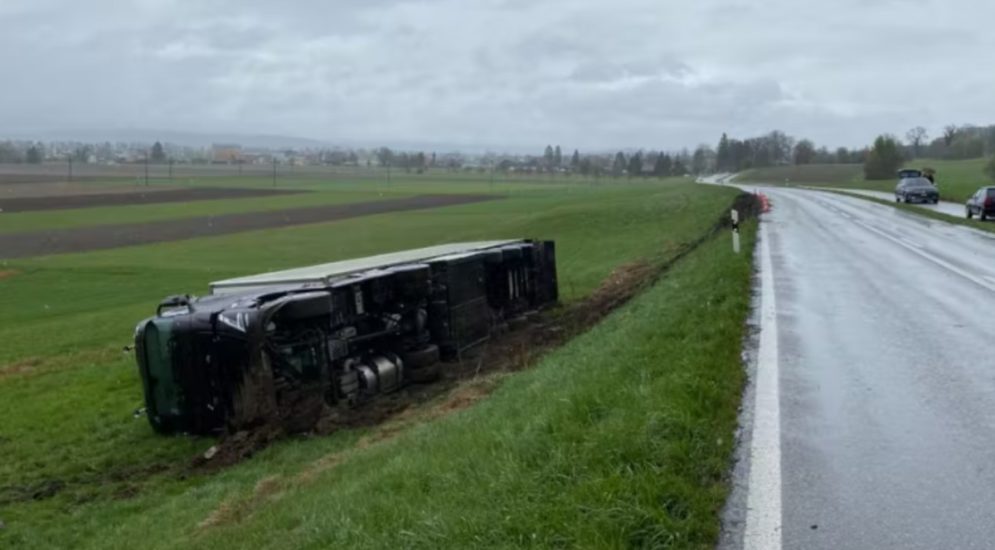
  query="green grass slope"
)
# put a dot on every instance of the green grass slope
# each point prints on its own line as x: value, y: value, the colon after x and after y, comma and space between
x: 621, y: 439
x: 78, y: 470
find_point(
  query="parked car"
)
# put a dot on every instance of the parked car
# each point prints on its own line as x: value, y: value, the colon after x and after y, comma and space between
x: 916, y: 190
x: 981, y: 204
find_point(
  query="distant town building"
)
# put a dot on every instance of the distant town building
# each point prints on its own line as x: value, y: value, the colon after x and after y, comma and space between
x: 223, y: 153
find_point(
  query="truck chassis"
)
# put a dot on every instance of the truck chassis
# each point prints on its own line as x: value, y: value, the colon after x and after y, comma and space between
x: 337, y: 334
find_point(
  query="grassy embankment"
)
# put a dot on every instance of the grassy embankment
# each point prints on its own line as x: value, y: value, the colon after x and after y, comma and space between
x: 622, y: 437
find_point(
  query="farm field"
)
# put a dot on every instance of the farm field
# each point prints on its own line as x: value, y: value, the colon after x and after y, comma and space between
x: 123, y: 196
x: 957, y: 179
x: 79, y: 239
x: 292, y: 191
x: 620, y: 437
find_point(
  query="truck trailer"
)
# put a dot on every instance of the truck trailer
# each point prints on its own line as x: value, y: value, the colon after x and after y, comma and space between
x: 337, y: 334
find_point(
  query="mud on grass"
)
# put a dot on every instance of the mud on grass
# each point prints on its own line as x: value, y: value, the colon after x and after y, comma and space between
x: 121, y: 484
x: 510, y: 349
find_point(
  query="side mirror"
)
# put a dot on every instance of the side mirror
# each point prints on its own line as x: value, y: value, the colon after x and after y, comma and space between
x: 174, y: 305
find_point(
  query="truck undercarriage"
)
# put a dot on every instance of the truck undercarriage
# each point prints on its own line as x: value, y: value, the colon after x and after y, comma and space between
x: 337, y: 334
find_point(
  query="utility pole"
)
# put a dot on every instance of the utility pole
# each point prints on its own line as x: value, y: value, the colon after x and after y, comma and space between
x: 274, y: 172
x: 146, y: 168
x: 70, y: 159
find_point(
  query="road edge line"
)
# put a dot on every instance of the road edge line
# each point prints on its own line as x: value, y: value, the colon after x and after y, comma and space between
x: 763, y: 504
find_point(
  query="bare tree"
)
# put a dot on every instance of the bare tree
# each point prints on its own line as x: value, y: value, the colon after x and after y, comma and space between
x: 917, y: 137
x: 949, y: 133
x: 384, y: 156
x: 779, y: 147
x: 804, y: 152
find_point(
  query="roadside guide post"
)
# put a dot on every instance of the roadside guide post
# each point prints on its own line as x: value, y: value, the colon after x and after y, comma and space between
x: 735, y: 231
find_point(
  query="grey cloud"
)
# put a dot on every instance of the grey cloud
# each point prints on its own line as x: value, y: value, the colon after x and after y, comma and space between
x: 509, y: 73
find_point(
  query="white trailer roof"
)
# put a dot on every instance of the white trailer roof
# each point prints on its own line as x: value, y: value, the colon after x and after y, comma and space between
x: 325, y: 273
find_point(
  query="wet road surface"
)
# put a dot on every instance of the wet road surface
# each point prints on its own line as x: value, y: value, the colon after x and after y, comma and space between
x: 955, y: 209
x: 884, y: 381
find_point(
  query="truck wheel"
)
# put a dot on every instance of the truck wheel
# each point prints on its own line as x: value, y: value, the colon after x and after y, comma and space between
x: 969, y: 213
x: 421, y: 358
x: 424, y: 375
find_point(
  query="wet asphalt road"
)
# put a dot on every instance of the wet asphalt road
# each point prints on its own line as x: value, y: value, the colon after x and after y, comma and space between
x: 886, y: 338
x: 955, y: 209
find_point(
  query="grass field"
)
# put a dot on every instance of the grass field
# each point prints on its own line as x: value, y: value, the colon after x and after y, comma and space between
x: 83, y: 217
x: 322, y: 192
x: 620, y: 438
x: 957, y: 179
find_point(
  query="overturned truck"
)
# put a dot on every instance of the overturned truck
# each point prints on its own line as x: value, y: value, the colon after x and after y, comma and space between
x: 291, y: 344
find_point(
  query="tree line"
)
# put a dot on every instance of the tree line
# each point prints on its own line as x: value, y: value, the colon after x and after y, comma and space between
x: 632, y: 163
x: 888, y: 152
x: 777, y: 149
x: 954, y: 142
x: 10, y: 153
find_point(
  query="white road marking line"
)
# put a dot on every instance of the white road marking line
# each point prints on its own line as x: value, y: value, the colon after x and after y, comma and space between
x: 908, y: 242
x: 763, y: 503
x: 938, y: 261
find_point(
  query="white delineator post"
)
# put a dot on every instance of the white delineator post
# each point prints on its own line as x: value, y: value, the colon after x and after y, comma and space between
x: 735, y: 231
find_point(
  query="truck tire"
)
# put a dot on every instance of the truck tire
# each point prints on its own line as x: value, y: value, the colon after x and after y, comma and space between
x: 421, y: 358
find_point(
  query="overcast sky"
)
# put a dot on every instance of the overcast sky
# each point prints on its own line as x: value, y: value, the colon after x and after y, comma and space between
x: 503, y: 73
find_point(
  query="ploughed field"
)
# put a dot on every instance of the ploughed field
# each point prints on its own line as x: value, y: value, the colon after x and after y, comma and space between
x: 610, y: 425
x: 121, y: 196
x: 81, y: 239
